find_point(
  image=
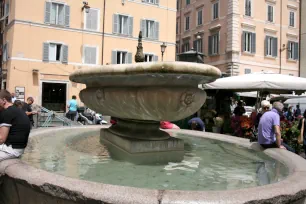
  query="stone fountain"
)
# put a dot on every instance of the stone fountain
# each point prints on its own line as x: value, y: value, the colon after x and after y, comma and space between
x: 140, y: 96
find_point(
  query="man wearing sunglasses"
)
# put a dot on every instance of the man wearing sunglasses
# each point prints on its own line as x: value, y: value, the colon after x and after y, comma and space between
x: 269, y: 135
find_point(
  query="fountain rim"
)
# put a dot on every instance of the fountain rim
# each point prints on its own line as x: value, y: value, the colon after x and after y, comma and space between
x: 146, y: 68
x: 292, y: 187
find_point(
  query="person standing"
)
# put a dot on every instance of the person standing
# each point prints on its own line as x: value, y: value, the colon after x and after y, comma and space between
x: 13, y: 96
x: 239, y: 110
x: 14, y: 128
x: 297, y: 112
x: 269, y: 135
x: 301, y: 127
x: 28, y: 110
x: 73, y: 107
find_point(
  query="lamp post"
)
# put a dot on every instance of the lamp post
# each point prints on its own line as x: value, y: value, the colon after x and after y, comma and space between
x: 197, y: 44
x: 163, y: 49
x: 86, y: 7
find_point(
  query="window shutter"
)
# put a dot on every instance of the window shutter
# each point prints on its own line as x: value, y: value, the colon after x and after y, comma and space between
x: 217, y: 10
x: 93, y: 55
x: 155, y: 58
x: 243, y: 41
x: 45, y: 52
x: 4, y: 55
x: 65, y: 54
x: 129, y: 58
x: 67, y: 15
x: 94, y: 19
x: 115, y: 23
x: 253, y: 43
x: 266, y: 46
x: 88, y: 19
x: 288, y: 50
x: 47, y: 12
x: 210, y: 45
x: 7, y: 52
x: 157, y: 2
x: 7, y: 9
x: 130, y: 33
x: 274, y: 47
x: 296, y: 51
x: 195, y: 45
x: 114, y: 57
x: 218, y: 42
x: 143, y: 28
x: 156, y: 30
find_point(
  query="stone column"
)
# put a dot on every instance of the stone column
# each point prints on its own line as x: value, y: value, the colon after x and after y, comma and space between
x: 233, y: 38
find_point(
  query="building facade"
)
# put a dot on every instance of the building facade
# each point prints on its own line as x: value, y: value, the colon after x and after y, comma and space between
x: 46, y: 40
x: 241, y: 36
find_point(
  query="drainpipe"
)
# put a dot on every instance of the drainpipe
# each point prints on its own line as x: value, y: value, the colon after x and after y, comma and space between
x: 1, y: 57
x: 180, y: 45
x: 281, y: 37
x: 300, y: 36
x: 103, y: 32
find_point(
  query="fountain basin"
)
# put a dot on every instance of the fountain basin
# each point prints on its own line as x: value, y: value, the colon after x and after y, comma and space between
x: 23, y: 183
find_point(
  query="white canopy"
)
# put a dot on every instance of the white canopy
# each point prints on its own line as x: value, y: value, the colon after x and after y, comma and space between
x: 259, y: 82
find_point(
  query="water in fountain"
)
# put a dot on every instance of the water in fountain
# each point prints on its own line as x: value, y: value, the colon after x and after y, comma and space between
x: 207, y: 164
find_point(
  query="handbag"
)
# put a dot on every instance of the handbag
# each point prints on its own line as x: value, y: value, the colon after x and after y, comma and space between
x: 301, y: 137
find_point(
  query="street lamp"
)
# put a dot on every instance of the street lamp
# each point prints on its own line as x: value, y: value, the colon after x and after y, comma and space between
x: 163, y: 49
x: 85, y: 6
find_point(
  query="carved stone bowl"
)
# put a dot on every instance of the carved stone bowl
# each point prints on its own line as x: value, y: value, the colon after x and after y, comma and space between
x: 146, y: 91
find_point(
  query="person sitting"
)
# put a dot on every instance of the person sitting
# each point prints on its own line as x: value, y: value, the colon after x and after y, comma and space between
x: 15, y: 128
x: 269, y: 135
x: 196, y: 124
x: 265, y: 106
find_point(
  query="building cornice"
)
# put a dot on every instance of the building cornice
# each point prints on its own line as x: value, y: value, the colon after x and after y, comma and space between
x: 294, y: 7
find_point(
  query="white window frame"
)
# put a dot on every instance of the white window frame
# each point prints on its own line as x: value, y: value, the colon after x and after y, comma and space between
x: 98, y: 20
x: 252, y: 5
x: 61, y: 56
x: 121, y: 24
x: 56, y: 19
x: 149, y: 54
x: 97, y: 53
x: 291, y: 48
x: 185, y: 45
x: 213, y: 10
x: 186, y: 23
x: 247, y: 47
x: 199, y: 43
x: 148, y: 29
x: 273, y: 14
x: 215, y: 50
x: 126, y: 55
x: 270, y: 47
x: 200, y: 10
x: 5, y: 55
x: 294, y: 18
x: 148, y: 1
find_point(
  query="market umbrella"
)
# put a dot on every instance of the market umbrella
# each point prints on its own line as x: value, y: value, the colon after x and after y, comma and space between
x: 270, y: 82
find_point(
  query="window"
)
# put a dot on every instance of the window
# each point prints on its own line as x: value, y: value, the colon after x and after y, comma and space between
x: 198, y: 45
x: 92, y: 19
x: 248, y: 7
x: 121, y: 57
x: 215, y: 10
x: 177, y: 26
x: 5, y: 52
x: 55, y: 52
x: 151, y: 1
x: 151, y: 58
x: 150, y: 29
x: 249, y: 42
x: 291, y: 19
x: 177, y: 4
x: 187, y: 2
x: 57, y: 14
x: 5, y: 12
x: 185, y: 46
x: 271, y: 46
x: 187, y: 18
x: 200, y: 18
x: 247, y: 71
x: 213, y: 44
x: 90, y: 55
x: 293, y: 50
x: 270, y: 13
x: 122, y: 24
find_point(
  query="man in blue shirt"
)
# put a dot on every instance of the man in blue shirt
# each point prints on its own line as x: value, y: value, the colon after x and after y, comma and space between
x: 196, y: 124
x: 73, y: 107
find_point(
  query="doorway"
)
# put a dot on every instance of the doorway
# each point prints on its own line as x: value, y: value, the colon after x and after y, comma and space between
x: 54, y: 96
